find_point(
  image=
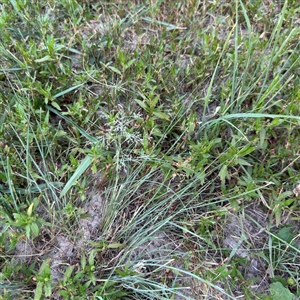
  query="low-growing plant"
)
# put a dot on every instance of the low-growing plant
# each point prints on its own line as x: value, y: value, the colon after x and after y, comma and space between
x: 136, y: 133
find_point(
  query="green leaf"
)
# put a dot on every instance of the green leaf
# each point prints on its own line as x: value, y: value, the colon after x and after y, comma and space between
x: 35, y: 229
x: 161, y: 115
x: 278, y: 216
x: 55, y: 105
x: 83, y: 261
x: 83, y: 132
x: 222, y: 272
x: 223, y: 173
x: 168, y: 26
x: 279, y: 292
x: 234, y: 204
x: 156, y: 131
x: 44, y: 265
x: 262, y: 138
x: 92, y: 258
x: 27, y: 230
x: 242, y: 162
x: 68, y: 273
x: 29, y: 210
x: 246, y: 150
x: 38, y: 291
x: 252, y: 115
x: 47, y: 289
x: 284, y: 195
x: 43, y: 59
x: 67, y: 90
x: 92, y: 278
x: 286, y: 235
x: 79, y: 171
x: 115, y: 246
x: 141, y: 104
x: 154, y: 100
x: 114, y: 70
x: 129, y: 63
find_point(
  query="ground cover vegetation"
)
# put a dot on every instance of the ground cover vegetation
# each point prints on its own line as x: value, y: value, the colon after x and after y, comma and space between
x: 149, y: 149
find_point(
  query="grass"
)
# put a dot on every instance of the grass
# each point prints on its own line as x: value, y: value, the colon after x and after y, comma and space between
x: 149, y: 150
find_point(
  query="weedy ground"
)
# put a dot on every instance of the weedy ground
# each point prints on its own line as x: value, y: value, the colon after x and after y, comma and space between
x: 149, y: 149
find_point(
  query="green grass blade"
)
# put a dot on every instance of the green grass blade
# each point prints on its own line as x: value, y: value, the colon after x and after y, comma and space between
x: 82, y: 131
x: 68, y: 90
x: 79, y: 171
